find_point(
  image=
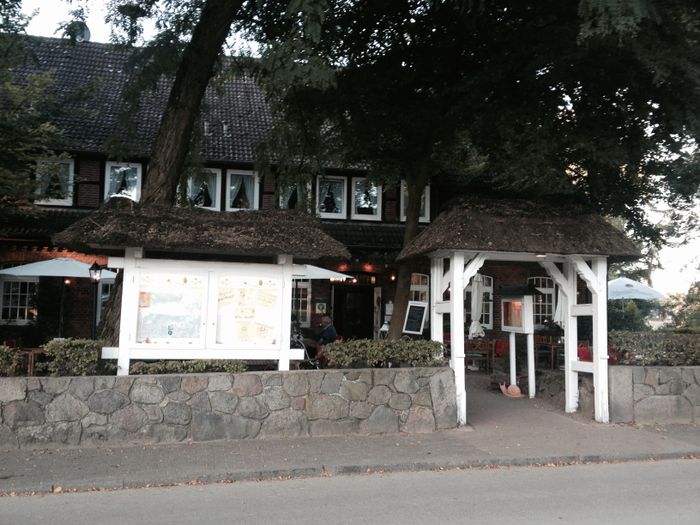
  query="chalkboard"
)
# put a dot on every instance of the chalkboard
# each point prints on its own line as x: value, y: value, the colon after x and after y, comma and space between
x: 415, y: 317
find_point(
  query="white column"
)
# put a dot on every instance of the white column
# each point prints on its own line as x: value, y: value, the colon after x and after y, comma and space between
x: 531, y: 365
x: 570, y: 342
x: 436, y: 332
x: 457, y: 332
x: 511, y: 358
x: 600, y: 340
x: 128, y: 319
x: 286, y: 321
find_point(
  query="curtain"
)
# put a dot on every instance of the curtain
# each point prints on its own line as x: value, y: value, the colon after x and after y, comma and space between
x: 242, y: 191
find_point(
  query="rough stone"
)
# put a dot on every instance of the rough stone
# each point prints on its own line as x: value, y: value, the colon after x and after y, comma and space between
x: 169, y: 383
x: 383, y: 420
x: 351, y: 375
x: 22, y: 414
x: 160, y: 433
x: 275, y: 398
x: 322, y: 427
x: 247, y: 385
x: 442, y: 392
x: 621, y: 394
x: 420, y: 420
x: 33, y: 383
x: 153, y: 413
x: 273, y: 379
x: 379, y: 395
x: 295, y: 384
x: 663, y: 410
x: 93, y: 419
x: 220, y: 382
x: 63, y: 433
x: 405, y: 382
x: 687, y: 375
x: 223, y: 402
x: 94, y: 434
x: 298, y: 403
x: 130, y: 418
x: 354, y: 390
x: 422, y: 397
x: 642, y: 391
x: 200, y: 402
x: 123, y: 384
x: 66, y: 407
x: 8, y: 439
x: 41, y: 397
x: 194, y: 384
x: 177, y: 413
x: 323, y: 406
x: 82, y: 387
x: 667, y: 374
x: 315, y: 381
x: 146, y: 393
x: 285, y: 423
x: 331, y: 382
x: 652, y: 377
x: 697, y: 375
x: 107, y: 401
x: 250, y: 407
x: 692, y: 393
x: 55, y: 385
x: 12, y: 389
x: 207, y: 427
x: 360, y: 409
x: 104, y: 382
x: 179, y: 396
x: 673, y: 387
x: 365, y: 376
x: 399, y: 401
x: 384, y: 376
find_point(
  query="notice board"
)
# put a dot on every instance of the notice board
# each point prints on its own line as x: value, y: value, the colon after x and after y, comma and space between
x: 415, y: 317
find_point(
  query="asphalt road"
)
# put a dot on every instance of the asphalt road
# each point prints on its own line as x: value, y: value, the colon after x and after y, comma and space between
x: 634, y: 493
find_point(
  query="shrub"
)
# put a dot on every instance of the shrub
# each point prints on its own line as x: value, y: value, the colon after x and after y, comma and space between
x: 366, y: 353
x: 656, y: 348
x: 74, y: 357
x: 196, y: 366
x: 12, y: 361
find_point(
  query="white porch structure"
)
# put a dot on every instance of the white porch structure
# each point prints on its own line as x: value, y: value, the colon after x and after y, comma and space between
x: 452, y: 270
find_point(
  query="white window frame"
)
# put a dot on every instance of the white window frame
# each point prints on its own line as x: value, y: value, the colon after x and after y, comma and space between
x: 344, y: 213
x: 420, y: 292
x: 486, y: 313
x: 3, y: 282
x: 214, y: 192
x: 302, y: 284
x: 545, y: 285
x: 299, y: 186
x: 425, y: 216
x: 108, y: 168
x: 256, y: 189
x: 68, y: 199
x: 359, y: 216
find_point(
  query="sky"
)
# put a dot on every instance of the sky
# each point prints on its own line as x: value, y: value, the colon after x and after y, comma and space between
x: 680, y: 264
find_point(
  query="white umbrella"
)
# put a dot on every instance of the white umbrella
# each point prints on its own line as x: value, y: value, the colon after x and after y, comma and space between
x: 559, y: 313
x: 624, y: 288
x: 60, y: 267
x: 475, y: 328
x: 309, y: 271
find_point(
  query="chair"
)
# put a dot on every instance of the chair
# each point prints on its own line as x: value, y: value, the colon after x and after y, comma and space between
x: 481, y: 352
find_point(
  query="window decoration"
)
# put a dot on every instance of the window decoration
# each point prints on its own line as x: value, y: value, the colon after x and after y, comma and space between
x: 544, y: 305
x: 123, y: 180
x: 486, y: 302
x: 330, y: 196
x: 55, y: 183
x: 17, y: 303
x: 424, y: 203
x: 301, y: 302
x: 243, y: 189
x: 204, y: 189
x: 367, y: 200
x: 420, y: 287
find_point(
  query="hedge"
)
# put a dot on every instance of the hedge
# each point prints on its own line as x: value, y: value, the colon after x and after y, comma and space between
x: 74, y: 357
x: 367, y: 353
x: 12, y: 361
x: 656, y: 348
x: 195, y: 366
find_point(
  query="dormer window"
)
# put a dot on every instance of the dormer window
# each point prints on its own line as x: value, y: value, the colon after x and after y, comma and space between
x: 123, y: 179
x: 242, y: 190
x: 54, y: 180
x: 367, y: 200
x: 204, y: 189
x: 424, y: 203
x: 330, y: 197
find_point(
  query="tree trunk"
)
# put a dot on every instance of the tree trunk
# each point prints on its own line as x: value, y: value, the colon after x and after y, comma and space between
x: 196, y: 68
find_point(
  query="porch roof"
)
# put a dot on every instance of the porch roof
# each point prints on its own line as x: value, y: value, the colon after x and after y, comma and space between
x: 121, y: 223
x: 522, y: 226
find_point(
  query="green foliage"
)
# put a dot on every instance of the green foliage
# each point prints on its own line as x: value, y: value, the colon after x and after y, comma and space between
x: 656, y: 348
x: 11, y: 362
x: 363, y: 353
x: 74, y: 357
x: 685, y: 308
x: 188, y: 367
x: 629, y: 314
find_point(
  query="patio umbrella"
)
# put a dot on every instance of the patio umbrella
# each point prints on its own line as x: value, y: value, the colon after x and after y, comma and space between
x: 475, y: 328
x: 624, y: 288
x: 309, y: 271
x: 60, y: 267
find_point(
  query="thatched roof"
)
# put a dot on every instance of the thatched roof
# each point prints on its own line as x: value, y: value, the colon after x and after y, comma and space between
x: 121, y: 223
x: 512, y: 225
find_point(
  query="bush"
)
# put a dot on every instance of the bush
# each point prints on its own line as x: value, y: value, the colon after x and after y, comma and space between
x: 656, y: 348
x: 74, y: 357
x: 366, y: 353
x: 196, y: 366
x: 12, y: 362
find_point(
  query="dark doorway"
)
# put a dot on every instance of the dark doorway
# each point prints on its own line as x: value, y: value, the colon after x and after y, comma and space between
x: 353, y: 311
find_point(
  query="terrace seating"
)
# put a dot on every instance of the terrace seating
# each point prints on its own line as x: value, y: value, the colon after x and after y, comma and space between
x: 480, y: 353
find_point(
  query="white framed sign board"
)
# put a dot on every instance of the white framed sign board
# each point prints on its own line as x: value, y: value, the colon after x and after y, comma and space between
x: 414, y: 322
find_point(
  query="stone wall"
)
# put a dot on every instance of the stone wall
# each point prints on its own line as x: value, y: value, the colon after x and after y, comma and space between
x: 70, y: 411
x: 654, y: 394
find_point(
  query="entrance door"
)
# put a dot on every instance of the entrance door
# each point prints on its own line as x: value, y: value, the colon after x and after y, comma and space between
x: 353, y: 311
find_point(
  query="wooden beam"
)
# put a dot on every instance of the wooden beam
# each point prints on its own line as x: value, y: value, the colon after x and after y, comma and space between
x: 472, y: 268
x: 457, y: 334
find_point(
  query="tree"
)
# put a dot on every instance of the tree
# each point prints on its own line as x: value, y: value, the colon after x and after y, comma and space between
x: 684, y: 309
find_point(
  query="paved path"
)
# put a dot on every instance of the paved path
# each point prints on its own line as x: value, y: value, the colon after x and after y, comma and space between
x: 502, y: 431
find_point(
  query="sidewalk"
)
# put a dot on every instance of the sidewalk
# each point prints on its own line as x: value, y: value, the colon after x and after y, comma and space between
x: 501, y: 432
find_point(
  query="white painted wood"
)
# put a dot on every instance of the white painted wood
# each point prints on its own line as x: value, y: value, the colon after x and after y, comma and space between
x: 570, y: 342
x: 471, y: 269
x: 286, y: 322
x: 438, y: 307
x: 585, y: 367
x: 600, y: 340
x: 457, y: 333
x: 581, y: 310
x: 558, y: 277
x: 110, y: 352
x: 115, y: 262
x: 511, y: 358
x: 584, y: 271
x: 531, y: 388
x: 129, y: 310
x: 443, y: 307
x: 211, y: 353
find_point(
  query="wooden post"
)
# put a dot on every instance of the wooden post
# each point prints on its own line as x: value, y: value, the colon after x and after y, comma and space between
x: 600, y: 340
x: 570, y: 342
x: 286, y: 321
x: 129, y: 309
x: 511, y: 358
x: 436, y: 331
x: 457, y: 332
x: 531, y: 365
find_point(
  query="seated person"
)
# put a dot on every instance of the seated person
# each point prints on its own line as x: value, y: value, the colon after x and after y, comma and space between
x: 328, y: 333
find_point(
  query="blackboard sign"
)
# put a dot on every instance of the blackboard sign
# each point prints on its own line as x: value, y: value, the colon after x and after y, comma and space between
x: 415, y: 317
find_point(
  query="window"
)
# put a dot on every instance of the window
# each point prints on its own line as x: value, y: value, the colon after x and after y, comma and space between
x: 242, y: 190
x: 330, y: 197
x: 55, y: 183
x: 486, y: 302
x: 204, y: 189
x: 301, y: 301
x: 295, y: 196
x: 543, y: 305
x: 366, y: 200
x: 420, y: 287
x: 123, y: 179
x: 424, y: 203
x: 17, y: 304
